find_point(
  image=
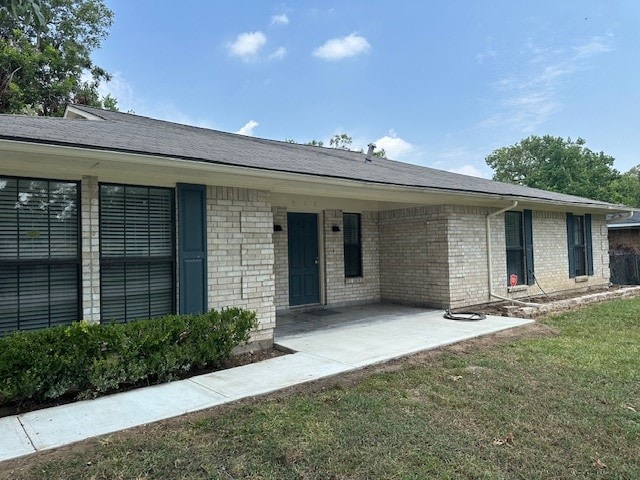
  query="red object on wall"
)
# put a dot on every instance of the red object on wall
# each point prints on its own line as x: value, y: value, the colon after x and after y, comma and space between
x: 513, y: 279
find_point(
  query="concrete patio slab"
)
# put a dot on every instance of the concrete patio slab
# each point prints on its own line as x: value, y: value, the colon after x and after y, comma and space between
x: 391, y: 336
x: 15, y: 442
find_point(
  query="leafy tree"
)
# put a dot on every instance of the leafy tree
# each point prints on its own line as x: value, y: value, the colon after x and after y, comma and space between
x: 344, y: 141
x: 565, y: 166
x: 27, y: 9
x: 626, y: 188
x: 382, y: 153
x: 42, y: 63
x: 341, y: 141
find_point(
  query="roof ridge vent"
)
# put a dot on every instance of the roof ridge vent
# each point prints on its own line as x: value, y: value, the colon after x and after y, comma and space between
x: 369, y: 156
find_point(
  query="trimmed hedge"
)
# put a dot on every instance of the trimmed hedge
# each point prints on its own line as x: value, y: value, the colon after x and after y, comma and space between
x: 85, y: 359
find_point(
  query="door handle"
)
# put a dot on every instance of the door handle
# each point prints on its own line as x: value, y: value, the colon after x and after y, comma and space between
x: 316, y: 261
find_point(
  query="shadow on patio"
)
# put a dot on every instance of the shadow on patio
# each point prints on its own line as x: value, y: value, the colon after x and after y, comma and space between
x: 320, y: 318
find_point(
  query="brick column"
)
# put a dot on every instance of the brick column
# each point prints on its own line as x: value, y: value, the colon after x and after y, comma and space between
x: 90, y: 249
x: 281, y: 253
x: 240, y: 255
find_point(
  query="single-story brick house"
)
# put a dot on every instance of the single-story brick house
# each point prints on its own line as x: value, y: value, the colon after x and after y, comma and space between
x: 110, y: 216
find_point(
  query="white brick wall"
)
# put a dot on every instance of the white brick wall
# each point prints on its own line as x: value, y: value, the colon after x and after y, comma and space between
x: 550, y: 256
x: 349, y: 291
x: 90, y: 249
x: 281, y: 255
x: 414, y: 248
x: 437, y: 256
x: 241, y: 254
x: 467, y: 239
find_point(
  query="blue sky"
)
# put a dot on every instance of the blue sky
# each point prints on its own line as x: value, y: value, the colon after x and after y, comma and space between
x: 439, y: 84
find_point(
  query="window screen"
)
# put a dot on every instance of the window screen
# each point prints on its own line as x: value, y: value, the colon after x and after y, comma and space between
x: 39, y: 244
x: 136, y: 252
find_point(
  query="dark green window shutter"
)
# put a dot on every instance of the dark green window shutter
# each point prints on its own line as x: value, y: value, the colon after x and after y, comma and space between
x: 528, y: 245
x: 570, y: 249
x: 588, y: 243
x: 192, y: 247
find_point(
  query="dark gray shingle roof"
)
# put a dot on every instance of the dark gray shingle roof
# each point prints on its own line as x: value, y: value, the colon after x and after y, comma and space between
x: 133, y: 133
x: 633, y: 221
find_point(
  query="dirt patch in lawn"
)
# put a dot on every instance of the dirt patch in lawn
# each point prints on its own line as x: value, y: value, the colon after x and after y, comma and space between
x: 235, y: 361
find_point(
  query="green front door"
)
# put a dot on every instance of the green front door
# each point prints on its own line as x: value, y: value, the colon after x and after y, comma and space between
x: 303, y: 259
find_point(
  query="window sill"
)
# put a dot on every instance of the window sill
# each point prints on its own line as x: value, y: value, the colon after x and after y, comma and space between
x: 582, y: 279
x: 518, y: 288
x: 350, y: 280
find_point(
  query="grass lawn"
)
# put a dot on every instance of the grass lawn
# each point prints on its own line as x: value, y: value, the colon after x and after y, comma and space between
x: 562, y: 405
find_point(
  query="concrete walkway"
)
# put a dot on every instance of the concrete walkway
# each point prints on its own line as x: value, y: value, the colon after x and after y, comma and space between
x: 353, y: 338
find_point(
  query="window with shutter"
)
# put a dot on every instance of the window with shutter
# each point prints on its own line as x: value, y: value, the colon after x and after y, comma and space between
x: 136, y: 252
x: 352, y: 244
x: 518, y: 227
x: 579, y: 244
x: 39, y: 259
x: 515, y: 246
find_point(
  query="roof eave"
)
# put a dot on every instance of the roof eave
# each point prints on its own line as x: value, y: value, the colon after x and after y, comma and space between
x: 35, y: 146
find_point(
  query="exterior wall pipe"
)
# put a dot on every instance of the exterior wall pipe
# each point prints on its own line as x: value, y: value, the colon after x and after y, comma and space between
x: 623, y: 216
x: 490, y: 260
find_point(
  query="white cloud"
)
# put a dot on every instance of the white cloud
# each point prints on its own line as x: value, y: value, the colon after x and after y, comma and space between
x: 529, y: 96
x: 280, y: 19
x: 470, y: 161
x: 339, y: 48
x: 247, y: 129
x: 394, y: 146
x: 594, y: 46
x: 128, y: 101
x: 468, y: 169
x: 119, y: 89
x: 247, y: 46
x: 279, y: 54
x: 171, y: 113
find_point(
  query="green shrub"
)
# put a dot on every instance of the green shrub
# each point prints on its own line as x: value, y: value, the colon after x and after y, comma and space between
x: 85, y: 359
